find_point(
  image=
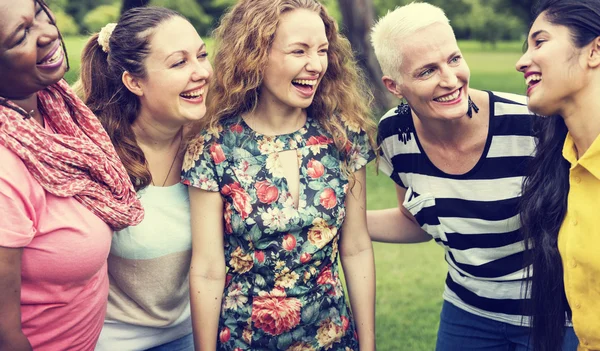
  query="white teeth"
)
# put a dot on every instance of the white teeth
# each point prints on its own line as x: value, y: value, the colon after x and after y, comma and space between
x: 448, y: 98
x: 55, y: 57
x: 305, y: 81
x: 193, y: 94
x: 533, y: 78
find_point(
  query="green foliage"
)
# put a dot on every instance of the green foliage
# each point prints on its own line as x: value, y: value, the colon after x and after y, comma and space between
x: 488, y: 23
x: 56, y: 5
x: 66, y: 24
x: 100, y: 16
x: 192, y: 10
x: 80, y: 8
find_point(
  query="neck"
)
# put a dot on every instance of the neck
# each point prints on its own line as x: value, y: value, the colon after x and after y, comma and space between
x: 275, y: 119
x: 581, y: 120
x: 155, y: 135
x: 29, y: 104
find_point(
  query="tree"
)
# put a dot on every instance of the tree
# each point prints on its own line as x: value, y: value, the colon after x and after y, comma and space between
x: 129, y: 4
x: 358, y: 16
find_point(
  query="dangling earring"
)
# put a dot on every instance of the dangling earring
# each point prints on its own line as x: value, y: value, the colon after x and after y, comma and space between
x: 472, y: 107
x: 404, y: 132
x: 403, y: 108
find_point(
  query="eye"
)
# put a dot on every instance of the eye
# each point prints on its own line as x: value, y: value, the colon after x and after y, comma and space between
x: 25, y: 32
x: 426, y: 72
x: 298, y: 52
x: 456, y: 59
x: 539, y: 42
x: 324, y: 51
x: 202, y: 55
x: 178, y: 63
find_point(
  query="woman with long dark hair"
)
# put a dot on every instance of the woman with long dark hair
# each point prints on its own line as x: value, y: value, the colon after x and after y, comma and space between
x: 561, y: 196
x: 63, y: 190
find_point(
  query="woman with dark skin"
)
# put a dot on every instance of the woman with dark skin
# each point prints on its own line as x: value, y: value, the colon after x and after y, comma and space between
x: 560, y: 201
x: 62, y: 190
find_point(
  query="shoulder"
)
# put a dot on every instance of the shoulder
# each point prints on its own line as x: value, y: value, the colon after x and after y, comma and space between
x: 13, y: 169
x: 393, y: 121
x: 509, y: 104
x: 511, y: 114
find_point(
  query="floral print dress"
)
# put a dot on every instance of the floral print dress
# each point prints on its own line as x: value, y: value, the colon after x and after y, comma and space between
x: 282, y: 290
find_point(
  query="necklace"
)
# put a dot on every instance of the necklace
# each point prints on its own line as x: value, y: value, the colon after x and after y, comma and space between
x: 173, y: 162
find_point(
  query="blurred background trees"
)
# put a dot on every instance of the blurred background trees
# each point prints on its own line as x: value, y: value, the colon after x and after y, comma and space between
x: 488, y: 21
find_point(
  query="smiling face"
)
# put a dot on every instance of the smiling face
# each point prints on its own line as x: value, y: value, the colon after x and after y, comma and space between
x: 177, y: 74
x: 31, y: 55
x: 297, y: 60
x: 553, y: 67
x: 434, y: 76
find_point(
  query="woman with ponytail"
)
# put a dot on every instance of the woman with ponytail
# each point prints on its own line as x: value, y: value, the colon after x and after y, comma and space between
x: 145, y: 78
x: 62, y: 190
x: 561, y: 196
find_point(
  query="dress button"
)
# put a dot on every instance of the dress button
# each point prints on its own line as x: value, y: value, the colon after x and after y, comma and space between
x: 577, y: 305
x: 585, y: 342
x: 574, y: 222
x: 577, y: 180
x: 573, y: 263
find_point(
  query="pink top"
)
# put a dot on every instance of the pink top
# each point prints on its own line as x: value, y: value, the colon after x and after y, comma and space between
x: 64, y: 284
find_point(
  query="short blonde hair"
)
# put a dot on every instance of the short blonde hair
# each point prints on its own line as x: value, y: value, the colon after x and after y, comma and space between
x: 389, y: 32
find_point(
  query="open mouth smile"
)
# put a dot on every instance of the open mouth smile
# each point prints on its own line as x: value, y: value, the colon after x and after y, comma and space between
x: 306, y: 87
x: 193, y: 96
x: 451, y: 98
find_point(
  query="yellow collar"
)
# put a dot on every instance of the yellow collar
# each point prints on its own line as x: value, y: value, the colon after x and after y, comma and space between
x: 590, y: 159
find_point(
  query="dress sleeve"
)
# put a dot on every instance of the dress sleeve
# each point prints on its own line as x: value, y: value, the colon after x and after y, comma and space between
x: 201, y: 163
x: 360, y: 152
x: 17, y: 201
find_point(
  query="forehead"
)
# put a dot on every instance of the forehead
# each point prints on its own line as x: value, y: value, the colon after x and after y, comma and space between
x: 428, y: 45
x: 12, y: 13
x: 300, y: 25
x: 172, y: 35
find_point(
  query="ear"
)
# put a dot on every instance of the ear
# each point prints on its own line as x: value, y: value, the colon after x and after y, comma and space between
x: 594, y: 57
x: 132, y: 83
x: 392, y: 86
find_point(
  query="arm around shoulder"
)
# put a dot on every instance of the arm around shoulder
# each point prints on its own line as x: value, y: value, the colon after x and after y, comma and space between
x: 395, y: 225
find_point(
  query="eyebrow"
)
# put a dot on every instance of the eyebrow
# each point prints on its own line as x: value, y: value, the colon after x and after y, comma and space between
x: 536, y: 33
x: 432, y: 65
x: 203, y: 46
x: 306, y: 45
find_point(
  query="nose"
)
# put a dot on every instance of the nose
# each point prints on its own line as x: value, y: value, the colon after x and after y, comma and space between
x: 202, y: 70
x: 524, y: 62
x: 314, y: 64
x: 48, y: 31
x: 449, y: 78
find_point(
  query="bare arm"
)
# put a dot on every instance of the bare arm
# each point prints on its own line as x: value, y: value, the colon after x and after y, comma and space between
x: 207, y: 270
x: 395, y: 225
x: 356, y: 254
x: 11, y: 335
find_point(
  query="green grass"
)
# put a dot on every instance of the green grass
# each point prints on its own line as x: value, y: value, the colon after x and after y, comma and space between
x: 410, y: 278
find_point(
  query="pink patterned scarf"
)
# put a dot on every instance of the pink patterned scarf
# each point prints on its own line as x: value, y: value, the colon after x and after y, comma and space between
x: 78, y: 160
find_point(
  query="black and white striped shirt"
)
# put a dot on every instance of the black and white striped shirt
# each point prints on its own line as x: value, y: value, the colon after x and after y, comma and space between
x: 473, y: 216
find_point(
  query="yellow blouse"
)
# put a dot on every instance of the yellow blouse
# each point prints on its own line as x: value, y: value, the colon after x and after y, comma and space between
x: 579, y: 243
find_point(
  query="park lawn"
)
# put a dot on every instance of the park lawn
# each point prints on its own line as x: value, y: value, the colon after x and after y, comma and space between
x: 410, y: 278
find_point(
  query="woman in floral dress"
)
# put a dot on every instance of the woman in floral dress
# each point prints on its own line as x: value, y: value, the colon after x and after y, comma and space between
x: 277, y: 185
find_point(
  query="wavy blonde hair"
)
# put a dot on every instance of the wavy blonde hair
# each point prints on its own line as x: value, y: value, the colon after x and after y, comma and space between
x: 243, y: 41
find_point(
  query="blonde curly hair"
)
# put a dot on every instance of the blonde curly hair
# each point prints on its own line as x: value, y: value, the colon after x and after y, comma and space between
x: 243, y: 41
